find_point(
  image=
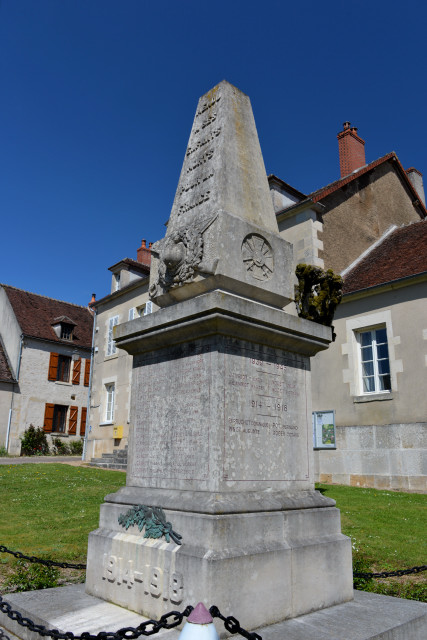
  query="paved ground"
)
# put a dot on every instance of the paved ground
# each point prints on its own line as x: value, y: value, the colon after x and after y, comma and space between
x: 74, y: 460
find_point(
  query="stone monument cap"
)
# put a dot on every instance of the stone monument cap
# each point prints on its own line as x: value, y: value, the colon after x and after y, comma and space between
x: 222, y: 231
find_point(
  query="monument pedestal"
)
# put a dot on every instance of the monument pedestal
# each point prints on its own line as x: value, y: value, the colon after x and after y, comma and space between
x: 221, y: 440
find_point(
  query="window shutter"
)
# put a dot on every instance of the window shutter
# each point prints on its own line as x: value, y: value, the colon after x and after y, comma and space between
x: 72, y: 422
x: 53, y: 366
x: 76, y: 371
x: 48, y: 417
x: 87, y: 372
x: 83, y: 421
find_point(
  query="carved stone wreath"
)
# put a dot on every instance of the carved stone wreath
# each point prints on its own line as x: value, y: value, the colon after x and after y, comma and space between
x: 258, y: 257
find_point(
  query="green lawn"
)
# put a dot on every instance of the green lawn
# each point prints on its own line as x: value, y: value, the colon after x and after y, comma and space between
x: 48, y: 510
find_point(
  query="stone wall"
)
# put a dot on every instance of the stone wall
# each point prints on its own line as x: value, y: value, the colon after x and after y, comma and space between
x: 358, y: 214
x: 391, y: 456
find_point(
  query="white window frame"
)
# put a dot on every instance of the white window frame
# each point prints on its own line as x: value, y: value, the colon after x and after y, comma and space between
x: 110, y: 393
x: 148, y: 307
x: 131, y: 314
x: 375, y: 360
x: 111, y: 344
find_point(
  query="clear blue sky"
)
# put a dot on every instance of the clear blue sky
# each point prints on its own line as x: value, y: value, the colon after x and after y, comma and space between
x: 98, y: 98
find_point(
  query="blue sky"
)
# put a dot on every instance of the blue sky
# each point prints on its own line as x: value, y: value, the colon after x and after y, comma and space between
x: 98, y: 99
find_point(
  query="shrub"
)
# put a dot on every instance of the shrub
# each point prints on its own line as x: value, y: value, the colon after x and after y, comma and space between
x: 29, y: 577
x: 59, y: 448
x: 3, y: 452
x: 34, y: 442
x: 76, y: 447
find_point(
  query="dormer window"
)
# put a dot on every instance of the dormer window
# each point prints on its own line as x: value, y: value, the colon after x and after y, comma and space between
x: 66, y: 331
x: 64, y: 328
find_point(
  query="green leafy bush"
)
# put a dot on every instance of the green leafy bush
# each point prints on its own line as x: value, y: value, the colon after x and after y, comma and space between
x: 60, y: 448
x: 29, y: 577
x: 34, y: 442
x: 76, y: 447
x: 3, y: 452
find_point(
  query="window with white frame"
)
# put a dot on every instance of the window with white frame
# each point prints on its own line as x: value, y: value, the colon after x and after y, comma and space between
x: 111, y: 345
x: 131, y: 313
x: 374, y: 361
x: 116, y: 281
x: 110, y: 389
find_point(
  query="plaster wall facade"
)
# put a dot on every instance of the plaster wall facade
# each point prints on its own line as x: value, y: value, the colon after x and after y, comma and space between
x: 112, y: 369
x: 359, y: 213
x: 5, y: 404
x: 10, y: 330
x: 34, y: 390
x: 381, y: 438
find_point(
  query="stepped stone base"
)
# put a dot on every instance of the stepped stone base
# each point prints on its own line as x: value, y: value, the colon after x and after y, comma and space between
x: 368, y: 617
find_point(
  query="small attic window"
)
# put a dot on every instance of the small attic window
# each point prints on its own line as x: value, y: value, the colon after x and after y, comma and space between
x: 66, y: 331
x: 64, y: 328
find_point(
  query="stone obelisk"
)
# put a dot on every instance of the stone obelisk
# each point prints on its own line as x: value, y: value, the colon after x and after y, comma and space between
x: 220, y: 414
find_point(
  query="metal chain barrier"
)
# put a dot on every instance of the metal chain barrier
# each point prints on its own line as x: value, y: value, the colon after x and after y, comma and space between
x: 47, y: 563
x: 3, y: 635
x: 390, y: 574
x: 147, y: 628
x: 232, y: 625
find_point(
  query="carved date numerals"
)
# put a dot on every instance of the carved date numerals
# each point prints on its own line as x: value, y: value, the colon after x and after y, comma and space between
x: 156, y: 581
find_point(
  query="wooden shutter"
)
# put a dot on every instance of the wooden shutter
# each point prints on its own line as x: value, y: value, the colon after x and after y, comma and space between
x: 83, y: 421
x: 76, y: 371
x: 48, y: 417
x: 87, y: 372
x: 72, y: 422
x: 53, y: 366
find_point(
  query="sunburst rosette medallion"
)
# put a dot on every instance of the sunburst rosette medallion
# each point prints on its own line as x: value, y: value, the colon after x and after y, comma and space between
x: 258, y: 257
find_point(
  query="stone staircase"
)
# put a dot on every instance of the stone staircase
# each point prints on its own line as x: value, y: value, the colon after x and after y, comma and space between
x: 116, y: 460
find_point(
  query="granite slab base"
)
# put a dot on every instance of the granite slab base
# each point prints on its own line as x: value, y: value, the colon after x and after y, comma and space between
x: 368, y: 617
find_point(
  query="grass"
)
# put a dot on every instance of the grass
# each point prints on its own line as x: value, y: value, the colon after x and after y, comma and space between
x: 388, y: 532
x: 48, y: 511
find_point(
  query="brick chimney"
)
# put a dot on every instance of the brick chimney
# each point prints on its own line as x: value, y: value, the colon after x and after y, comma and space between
x: 143, y: 254
x: 416, y: 178
x: 351, y: 150
x: 92, y: 302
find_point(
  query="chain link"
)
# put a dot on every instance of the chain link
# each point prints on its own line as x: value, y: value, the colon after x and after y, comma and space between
x: 232, y: 625
x: 389, y: 574
x: 47, y: 563
x: 3, y: 635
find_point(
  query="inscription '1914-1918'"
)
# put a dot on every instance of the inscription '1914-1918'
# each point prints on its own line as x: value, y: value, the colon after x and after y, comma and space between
x: 155, y: 581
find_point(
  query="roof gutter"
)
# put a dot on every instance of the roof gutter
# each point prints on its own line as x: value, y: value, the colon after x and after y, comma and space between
x: 284, y: 214
x: 384, y: 287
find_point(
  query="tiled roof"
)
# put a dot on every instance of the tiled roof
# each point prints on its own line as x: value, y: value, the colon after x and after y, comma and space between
x: 5, y: 371
x: 35, y: 315
x: 320, y: 194
x: 134, y: 264
x: 401, y: 254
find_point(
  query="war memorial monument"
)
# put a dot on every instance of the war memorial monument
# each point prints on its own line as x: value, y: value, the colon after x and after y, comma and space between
x: 220, y: 462
x: 220, y: 411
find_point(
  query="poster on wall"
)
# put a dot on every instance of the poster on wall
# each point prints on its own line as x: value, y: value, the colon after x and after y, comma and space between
x: 324, y: 429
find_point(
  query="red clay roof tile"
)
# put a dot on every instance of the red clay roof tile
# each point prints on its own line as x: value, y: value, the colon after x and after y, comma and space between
x: 35, y: 315
x: 401, y: 254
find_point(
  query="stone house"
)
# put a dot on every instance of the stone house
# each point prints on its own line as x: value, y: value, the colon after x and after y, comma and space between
x: 112, y: 371
x: 368, y: 227
x: 45, y: 360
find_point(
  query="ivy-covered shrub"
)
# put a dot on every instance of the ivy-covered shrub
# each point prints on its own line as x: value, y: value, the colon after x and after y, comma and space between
x: 317, y: 294
x: 34, y: 442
